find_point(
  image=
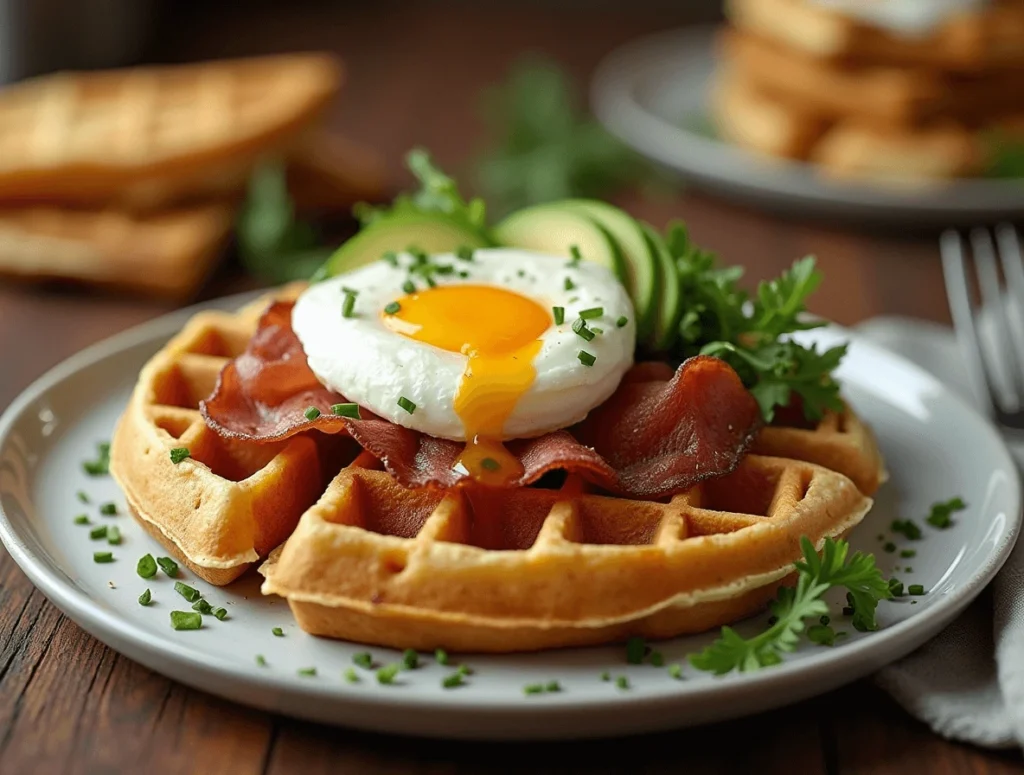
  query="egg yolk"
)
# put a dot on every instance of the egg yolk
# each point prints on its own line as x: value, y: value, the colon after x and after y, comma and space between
x: 499, y: 332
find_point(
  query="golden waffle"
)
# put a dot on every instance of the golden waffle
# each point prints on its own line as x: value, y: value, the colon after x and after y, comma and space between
x: 991, y: 38
x: 164, y: 255
x: 147, y: 136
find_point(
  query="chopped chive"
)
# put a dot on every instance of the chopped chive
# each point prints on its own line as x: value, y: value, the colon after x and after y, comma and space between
x: 391, y: 257
x: 597, y: 330
x: 186, y: 620
x: 392, y: 308
x: 559, y: 313
x: 278, y: 632
x: 890, y: 547
x: 675, y: 671
x: 533, y: 689
x: 82, y: 497
x: 622, y: 682
x: 114, y: 535
x: 521, y: 273
x: 406, y: 404
x: 568, y: 284
x: 346, y: 410
x: 896, y: 587
x: 311, y: 413
x: 440, y: 656
x: 574, y: 251
x: 101, y: 465
x: 635, y: 650
x: 490, y: 464
x: 821, y: 635
x: 108, y: 509
x: 350, y: 675
x: 307, y: 671
x: 348, y: 305
x: 452, y: 681
x: 363, y: 660
x: 82, y: 519
x: 189, y: 593
x: 464, y: 253
x: 463, y: 274
x: 908, y: 553
x: 146, y: 598
x: 431, y: 283
x: 906, y: 527
x: 409, y: 286
x: 444, y: 269
x: 606, y: 676
x: 179, y: 453
x: 386, y: 675
x: 593, y: 312
x: 825, y: 620
x: 847, y: 610
x: 220, y: 613
x: 349, y: 291
x: 169, y: 566
x: 657, y: 659
x: 261, y: 660
x: 102, y: 557
x: 202, y: 606
x: 621, y: 321
x: 916, y: 589
x: 553, y: 686
x: 410, y: 659
x: 579, y: 327
x: 587, y: 359
x: 465, y: 669
x: 908, y: 569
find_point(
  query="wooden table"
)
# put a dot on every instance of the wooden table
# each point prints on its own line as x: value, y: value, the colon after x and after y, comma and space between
x: 69, y: 704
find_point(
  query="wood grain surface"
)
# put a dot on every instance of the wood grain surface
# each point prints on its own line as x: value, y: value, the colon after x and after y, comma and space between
x: 68, y: 704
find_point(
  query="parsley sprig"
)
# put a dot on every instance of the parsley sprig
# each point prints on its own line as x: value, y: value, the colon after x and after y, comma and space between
x: 793, y: 606
x: 752, y: 334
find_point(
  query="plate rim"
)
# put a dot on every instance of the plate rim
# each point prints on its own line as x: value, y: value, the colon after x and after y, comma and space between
x: 115, y: 630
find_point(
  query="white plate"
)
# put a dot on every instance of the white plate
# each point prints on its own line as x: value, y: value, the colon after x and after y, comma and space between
x: 936, y: 447
x: 652, y: 93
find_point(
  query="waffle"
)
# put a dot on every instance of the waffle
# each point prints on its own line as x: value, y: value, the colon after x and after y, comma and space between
x: 989, y: 39
x: 166, y: 255
x: 147, y: 137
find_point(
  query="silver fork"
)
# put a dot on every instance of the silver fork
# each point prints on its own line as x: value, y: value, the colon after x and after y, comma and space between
x: 990, y: 337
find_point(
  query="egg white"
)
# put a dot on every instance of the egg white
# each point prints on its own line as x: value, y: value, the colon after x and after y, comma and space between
x: 373, y: 366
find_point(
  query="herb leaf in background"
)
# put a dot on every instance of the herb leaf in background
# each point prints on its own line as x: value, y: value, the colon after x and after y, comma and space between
x: 273, y: 244
x: 1006, y: 156
x: 547, y: 147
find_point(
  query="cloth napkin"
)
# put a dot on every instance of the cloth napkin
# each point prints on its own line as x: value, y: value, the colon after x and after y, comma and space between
x: 967, y: 683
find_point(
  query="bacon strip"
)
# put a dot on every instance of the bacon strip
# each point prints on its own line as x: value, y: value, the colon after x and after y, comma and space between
x: 662, y: 432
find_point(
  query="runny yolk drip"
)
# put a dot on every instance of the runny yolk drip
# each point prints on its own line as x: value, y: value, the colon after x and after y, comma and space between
x: 499, y: 331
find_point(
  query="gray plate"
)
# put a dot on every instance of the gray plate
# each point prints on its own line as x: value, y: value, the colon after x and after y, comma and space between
x: 652, y: 93
x: 936, y: 447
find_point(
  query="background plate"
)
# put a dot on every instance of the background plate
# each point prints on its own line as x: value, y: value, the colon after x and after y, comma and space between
x: 936, y: 447
x: 652, y: 93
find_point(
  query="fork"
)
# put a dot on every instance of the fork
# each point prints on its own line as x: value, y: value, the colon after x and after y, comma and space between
x: 996, y: 362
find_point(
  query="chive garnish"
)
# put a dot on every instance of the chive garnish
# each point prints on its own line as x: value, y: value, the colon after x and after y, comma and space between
x: 98, y: 532
x: 202, y: 606
x: 363, y: 659
x: 635, y: 650
x: 622, y: 682
x: 82, y: 519
x: 465, y: 253
x: 916, y: 589
x: 568, y: 284
x: 890, y: 547
x: 657, y: 659
x: 311, y: 413
x: 307, y: 671
x: 108, y: 509
x: 521, y: 273
x: 145, y: 598
x: 553, y: 686
x: 349, y: 291
x: 443, y: 269
x: 847, y: 610
x: 189, y: 593
x: 533, y: 689
x: 587, y: 359
x: 579, y: 327
x: 597, y: 330
x: 465, y: 669
x: 169, y: 566
x: 348, y: 305
x: 277, y: 631
x: 908, y: 553
x: 440, y: 656
x: 907, y: 527
x: 409, y: 286
x: 908, y: 569
x: 346, y: 410
x: 621, y: 321
x: 114, y: 535
x: 896, y: 587
x: 559, y: 313
x: 675, y: 671
x: 410, y: 659
x: 391, y: 257
x: 452, y: 681
x: 386, y: 675
x: 220, y: 613
x: 102, y: 557
x: 179, y: 453
x: 82, y: 497
x: 593, y: 312
x: 606, y: 676
x: 101, y: 465
x: 261, y: 660
x: 825, y: 620
x: 574, y: 251
x: 186, y: 620
x: 490, y: 464
x: 406, y: 404
x: 350, y: 675
x: 463, y: 274
x: 392, y: 308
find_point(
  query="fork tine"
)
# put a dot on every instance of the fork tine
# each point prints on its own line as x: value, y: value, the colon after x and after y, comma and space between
x: 1013, y: 270
x: 959, y: 297
x: 1004, y: 357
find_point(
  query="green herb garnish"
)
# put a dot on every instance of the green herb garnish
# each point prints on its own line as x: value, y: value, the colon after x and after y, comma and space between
x: 916, y: 589
x: 410, y: 659
x: 490, y: 464
x: 636, y: 648
x: 363, y: 660
x: 675, y: 671
x: 908, y: 553
x: 102, y: 557
x: 179, y: 453
x: 221, y: 613
x: 386, y: 675
x: 261, y: 660
x: 559, y: 314
x: 606, y: 676
x: 941, y: 515
x: 406, y: 404
x: 657, y: 659
x: 169, y: 566
x: 348, y: 305
x: 146, y: 598
x: 346, y: 410
x: 186, y: 620
x: 409, y: 286
x: 579, y: 327
x: 82, y: 497
x: 821, y: 634
x: 587, y: 359
x: 311, y: 413
x: 907, y: 527
x: 108, y: 509
x: 277, y: 632
x: 622, y: 682
x: 890, y: 547
x: 440, y: 656
x: 895, y: 587
x: 621, y: 322
x: 392, y: 308
x: 114, y: 535
x: 569, y: 285
x: 82, y: 519
x: 464, y: 253
x: 452, y: 681
x: 533, y: 689
x: 792, y: 606
x: 202, y: 606
x: 592, y: 312
x: 307, y: 671
x: 350, y: 675
x: 574, y: 251
x: 101, y: 465
x: 189, y: 593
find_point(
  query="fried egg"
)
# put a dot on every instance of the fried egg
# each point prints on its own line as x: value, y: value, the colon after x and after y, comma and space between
x: 481, y: 348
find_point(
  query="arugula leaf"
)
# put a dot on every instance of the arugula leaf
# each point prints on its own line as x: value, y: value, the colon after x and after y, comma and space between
x: 793, y: 606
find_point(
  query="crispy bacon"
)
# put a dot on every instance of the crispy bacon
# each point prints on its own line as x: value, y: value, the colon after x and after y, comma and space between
x: 662, y: 432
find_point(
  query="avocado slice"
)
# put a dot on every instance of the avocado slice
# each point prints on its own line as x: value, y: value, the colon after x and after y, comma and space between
x: 552, y: 228
x: 431, y: 232
x: 641, y: 261
x: 670, y: 303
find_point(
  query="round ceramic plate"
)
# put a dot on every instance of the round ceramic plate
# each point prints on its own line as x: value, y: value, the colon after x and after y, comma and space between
x: 936, y: 447
x: 653, y: 93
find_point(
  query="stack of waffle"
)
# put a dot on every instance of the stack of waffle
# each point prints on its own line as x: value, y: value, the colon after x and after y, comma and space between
x: 892, y: 91
x: 131, y: 178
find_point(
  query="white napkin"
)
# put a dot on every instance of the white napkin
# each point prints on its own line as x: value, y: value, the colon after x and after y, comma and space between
x: 967, y: 683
